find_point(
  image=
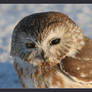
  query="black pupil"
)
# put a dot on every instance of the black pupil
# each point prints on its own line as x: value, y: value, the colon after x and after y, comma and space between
x: 30, y: 45
x: 56, y: 41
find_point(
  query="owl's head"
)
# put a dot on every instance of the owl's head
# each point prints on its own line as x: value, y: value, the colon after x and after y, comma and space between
x: 46, y: 37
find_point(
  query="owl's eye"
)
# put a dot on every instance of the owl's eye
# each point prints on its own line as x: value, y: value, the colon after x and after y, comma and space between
x: 31, y: 45
x: 55, y: 41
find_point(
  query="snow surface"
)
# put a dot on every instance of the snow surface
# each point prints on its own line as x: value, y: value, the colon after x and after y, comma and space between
x: 11, y: 14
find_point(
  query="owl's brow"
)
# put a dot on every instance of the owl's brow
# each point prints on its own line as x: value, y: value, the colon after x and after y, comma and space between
x: 33, y: 40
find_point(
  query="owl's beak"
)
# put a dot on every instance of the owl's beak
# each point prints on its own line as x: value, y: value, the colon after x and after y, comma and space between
x: 41, y: 55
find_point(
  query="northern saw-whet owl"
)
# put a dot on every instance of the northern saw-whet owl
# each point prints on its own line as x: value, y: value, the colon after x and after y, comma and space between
x: 50, y: 51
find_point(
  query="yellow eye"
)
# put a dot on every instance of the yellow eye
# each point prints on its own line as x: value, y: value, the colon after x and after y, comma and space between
x: 31, y: 45
x: 55, y: 41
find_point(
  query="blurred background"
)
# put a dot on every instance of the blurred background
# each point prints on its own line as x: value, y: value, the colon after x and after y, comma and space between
x: 11, y: 14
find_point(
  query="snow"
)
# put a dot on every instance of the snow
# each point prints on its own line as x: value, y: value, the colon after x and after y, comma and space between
x: 11, y: 14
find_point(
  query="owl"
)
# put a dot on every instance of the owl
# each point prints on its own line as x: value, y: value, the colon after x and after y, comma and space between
x: 49, y: 50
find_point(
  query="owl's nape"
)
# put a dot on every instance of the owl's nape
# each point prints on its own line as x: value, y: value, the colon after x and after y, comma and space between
x: 46, y: 39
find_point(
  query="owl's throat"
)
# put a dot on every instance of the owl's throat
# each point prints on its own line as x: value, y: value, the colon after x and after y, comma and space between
x: 45, y: 68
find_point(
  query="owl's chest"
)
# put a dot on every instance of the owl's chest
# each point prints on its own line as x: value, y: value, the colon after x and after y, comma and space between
x: 38, y: 78
x: 48, y: 78
x: 52, y: 79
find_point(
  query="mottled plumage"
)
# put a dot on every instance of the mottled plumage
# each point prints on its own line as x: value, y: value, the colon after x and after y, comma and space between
x: 50, y: 51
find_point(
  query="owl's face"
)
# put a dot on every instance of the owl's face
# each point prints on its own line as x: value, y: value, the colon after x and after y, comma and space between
x: 49, y: 41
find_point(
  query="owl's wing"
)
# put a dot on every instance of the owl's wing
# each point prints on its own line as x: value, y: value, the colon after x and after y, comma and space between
x: 80, y: 68
x: 86, y: 51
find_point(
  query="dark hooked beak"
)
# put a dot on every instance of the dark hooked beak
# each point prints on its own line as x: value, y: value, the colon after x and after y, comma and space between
x: 41, y: 55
